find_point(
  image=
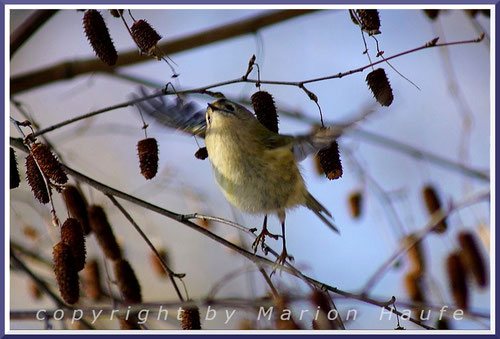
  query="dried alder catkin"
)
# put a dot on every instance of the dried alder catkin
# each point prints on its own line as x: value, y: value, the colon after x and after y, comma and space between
x: 127, y: 281
x: 66, y: 273
x: 329, y: 159
x: 201, y: 153
x: 72, y: 235
x: 148, y: 157
x: 92, y: 280
x: 265, y: 110
x: 76, y: 206
x: 370, y: 20
x: 355, y: 200
x: 145, y: 36
x: 104, y: 233
x: 190, y: 319
x: 415, y: 255
x: 379, y: 85
x: 49, y: 164
x: 433, y: 204
x: 130, y: 323
x: 98, y: 35
x: 116, y: 12
x: 457, y: 280
x: 35, y: 180
x: 472, y: 257
x: 14, y: 172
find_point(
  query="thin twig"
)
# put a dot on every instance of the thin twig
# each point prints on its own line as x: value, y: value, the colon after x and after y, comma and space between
x: 29, y: 26
x: 171, y: 274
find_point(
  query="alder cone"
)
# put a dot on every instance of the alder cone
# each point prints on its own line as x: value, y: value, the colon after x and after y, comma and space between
x: 381, y: 88
x: 15, y: 180
x: 72, y: 235
x: 145, y: 36
x: 190, y: 319
x: 127, y: 281
x: 49, y: 164
x: 472, y: 258
x: 265, y: 110
x: 148, y: 157
x: 98, y: 35
x: 35, y: 180
x: 329, y: 159
x: 92, y: 280
x: 458, y: 280
x: 66, y: 273
x: 433, y: 204
x: 104, y: 233
x: 76, y: 206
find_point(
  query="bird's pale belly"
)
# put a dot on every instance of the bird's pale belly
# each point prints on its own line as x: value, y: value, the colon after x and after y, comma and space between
x: 256, y: 185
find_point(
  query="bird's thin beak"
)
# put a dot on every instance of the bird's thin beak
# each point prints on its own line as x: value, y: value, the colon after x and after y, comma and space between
x: 212, y: 106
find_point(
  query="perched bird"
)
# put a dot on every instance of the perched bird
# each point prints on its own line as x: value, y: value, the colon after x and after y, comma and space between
x: 255, y: 168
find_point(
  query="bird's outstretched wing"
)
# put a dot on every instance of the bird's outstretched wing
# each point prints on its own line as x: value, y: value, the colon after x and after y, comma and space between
x: 308, y: 144
x: 178, y: 114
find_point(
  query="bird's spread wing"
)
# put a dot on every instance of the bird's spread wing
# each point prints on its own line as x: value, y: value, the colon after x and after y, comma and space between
x: 178, y: 114
x: 305, y: 145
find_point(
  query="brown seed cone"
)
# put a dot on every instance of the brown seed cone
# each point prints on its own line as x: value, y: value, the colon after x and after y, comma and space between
x: 379, y: 85
x: 370, y: 20
x: 103, y: 232
x: 66, y: 273
x: 129, y: 324
x: 443, y: 324
x: 34, y: 291
x: 472, y: 258
x: 431, y: 13
x: 286, y: 322
x: 329, y: 159
x: 457, y: 280
x: 156, y: 263
x: 92, y: 280
x: 116, y: 12
x: 433, y: 204
x: 145, y: 36
x: 127, y: 281
x: 201, y: 153
x: 49, y: 164
x: 76, y: 206
x: 413, y: 284
x: 265, y: 110
x: 190, y: 319
x: 72, y: 235
x: 321, y: 299
x: 35, y: 180
x: 416, y: 256
x: 355, y: 201
x: 98, y: 36
x: 15, y: 180
x: 148, y: 157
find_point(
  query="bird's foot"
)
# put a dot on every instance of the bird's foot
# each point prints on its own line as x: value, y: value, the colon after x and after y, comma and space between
x: 281, y: 260
x: 261, y: 238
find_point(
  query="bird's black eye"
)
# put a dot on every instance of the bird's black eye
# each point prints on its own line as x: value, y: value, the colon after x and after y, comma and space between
x: 229, y: 107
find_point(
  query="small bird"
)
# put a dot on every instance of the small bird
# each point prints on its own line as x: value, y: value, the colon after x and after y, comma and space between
x: 255, y: 168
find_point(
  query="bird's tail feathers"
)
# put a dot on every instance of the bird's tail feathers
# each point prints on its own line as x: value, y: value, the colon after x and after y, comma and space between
x: 319, y: 209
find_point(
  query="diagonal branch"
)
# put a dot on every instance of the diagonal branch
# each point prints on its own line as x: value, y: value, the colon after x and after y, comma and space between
x: 29, y: 26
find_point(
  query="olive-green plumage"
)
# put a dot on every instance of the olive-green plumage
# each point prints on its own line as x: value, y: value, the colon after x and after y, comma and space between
x: 256, y: 168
